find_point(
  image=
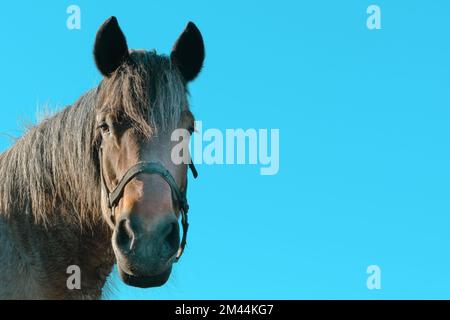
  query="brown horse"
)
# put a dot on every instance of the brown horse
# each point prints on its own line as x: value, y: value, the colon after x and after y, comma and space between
x: 100, y: 172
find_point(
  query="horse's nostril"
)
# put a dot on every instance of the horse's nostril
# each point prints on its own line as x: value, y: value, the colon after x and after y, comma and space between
x: 125, y: 236
x: 172, y: 235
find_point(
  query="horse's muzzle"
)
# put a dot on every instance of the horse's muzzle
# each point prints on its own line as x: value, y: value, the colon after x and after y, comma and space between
x: 145, y: 282
x: 145, y: 257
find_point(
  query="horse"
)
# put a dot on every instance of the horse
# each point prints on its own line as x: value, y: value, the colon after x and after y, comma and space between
x: 94, y: 184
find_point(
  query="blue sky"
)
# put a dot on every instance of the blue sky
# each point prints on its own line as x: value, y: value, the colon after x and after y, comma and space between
x: 364, y: 137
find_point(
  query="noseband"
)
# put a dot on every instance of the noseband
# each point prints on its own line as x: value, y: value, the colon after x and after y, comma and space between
x: 113, y: 197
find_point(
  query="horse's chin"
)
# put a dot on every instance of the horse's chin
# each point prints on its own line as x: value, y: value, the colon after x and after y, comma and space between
x: 145, y: 281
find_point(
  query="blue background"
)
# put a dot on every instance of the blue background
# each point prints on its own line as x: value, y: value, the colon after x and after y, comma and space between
x: 364, y: 137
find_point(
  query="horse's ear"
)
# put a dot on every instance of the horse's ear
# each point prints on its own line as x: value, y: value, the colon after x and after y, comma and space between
x: 188, y: 52
x: 110, y: 48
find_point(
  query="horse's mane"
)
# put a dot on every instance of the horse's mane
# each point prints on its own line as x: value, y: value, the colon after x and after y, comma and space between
x: 53, y: 168
x: 149, y: 79
x: 51, y: 164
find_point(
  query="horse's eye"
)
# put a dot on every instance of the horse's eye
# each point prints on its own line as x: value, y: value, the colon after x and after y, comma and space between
x: 103, y: 127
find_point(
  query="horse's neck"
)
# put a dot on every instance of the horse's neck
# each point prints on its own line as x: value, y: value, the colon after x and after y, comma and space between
x: 34, y: 259
x: 37, y: 261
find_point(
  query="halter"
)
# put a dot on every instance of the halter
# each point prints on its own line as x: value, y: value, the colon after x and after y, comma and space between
x: 113, y: 197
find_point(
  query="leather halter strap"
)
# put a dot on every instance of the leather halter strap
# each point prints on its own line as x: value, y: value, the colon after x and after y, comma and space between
x: 113, y: 197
